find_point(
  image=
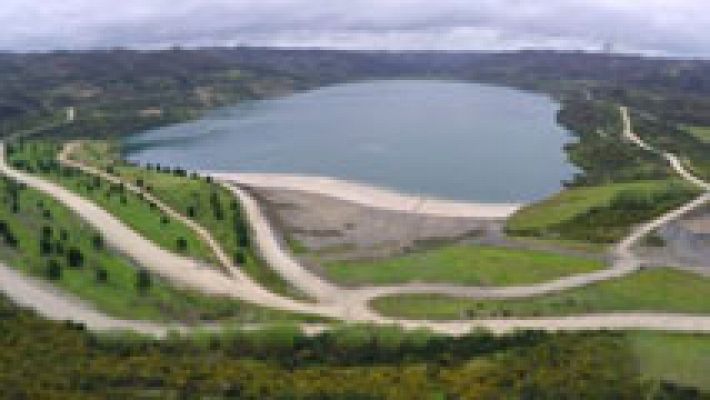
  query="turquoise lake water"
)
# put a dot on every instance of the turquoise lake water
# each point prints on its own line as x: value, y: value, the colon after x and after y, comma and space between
x: 455, y: 140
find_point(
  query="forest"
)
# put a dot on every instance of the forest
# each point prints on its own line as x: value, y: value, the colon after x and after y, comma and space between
x: 111, y: 88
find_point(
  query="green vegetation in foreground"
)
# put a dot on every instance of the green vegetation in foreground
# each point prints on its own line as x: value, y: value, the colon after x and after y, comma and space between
x: 464, y: 264
x: 49, y: 360
x: 208, y: 203
x: 600, y: 214
x: 680, y: 358
x: 41, y: 237
x: 702, y: 133
x: 134, y: 210
x: 661, y: 290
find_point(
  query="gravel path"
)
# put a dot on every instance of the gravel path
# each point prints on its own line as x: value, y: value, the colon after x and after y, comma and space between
x: 345, y: 304
x: 182, y: 271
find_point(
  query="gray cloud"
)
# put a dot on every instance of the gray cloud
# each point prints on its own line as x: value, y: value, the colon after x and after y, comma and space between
x: 674, y: 27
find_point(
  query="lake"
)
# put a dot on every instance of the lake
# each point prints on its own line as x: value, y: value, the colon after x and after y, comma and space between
x: 455, y: 140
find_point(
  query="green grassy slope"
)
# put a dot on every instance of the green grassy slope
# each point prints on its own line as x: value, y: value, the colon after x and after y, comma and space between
x: 662, y: 290
x: 602, y: 214
x: 41, y: 237
x: 464, y: 264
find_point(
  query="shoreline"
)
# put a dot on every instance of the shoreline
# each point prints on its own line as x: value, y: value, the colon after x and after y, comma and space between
x: 369, y: 195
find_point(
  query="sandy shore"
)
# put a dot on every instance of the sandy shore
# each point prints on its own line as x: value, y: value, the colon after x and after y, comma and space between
x: 371, y: 196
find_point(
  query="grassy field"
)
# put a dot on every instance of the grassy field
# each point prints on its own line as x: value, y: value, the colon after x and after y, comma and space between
x: 464, y: 264
x: 600, y: 214
x: 662, y: 290
x: 135, y: 211
x: 700, y: 132
x: 679, y: 358
x: 43, y: 238
x: 209, y: 204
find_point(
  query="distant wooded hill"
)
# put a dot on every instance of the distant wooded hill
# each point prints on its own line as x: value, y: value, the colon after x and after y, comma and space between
x: 168, y: 85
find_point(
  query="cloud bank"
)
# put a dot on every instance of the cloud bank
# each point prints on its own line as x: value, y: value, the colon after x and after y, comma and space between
x: 670, y: 27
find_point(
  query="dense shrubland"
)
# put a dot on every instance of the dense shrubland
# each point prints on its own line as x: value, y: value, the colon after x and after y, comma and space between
x: 350, y: 363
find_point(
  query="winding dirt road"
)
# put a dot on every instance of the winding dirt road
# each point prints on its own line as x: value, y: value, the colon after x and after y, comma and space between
x: 344, y: 304
x: 182, y: 271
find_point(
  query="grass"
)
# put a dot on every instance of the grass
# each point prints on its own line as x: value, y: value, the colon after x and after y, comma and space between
x: 209, y: 204
x: 130, y: 208
x: 463, y: 264
x: 104, y: 278
x: 601, y: 214
x: 678, y: 358
x: 660, y: 290
x: 702, y: 133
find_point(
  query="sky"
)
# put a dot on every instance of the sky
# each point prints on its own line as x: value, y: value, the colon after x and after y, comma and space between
x: 654, y: 27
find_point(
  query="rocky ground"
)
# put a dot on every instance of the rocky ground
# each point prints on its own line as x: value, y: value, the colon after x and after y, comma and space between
x: 685, y: 243
x: 335, y: 229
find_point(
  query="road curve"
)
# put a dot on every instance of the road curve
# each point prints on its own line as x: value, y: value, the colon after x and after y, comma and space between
x: 52, y: 304
x: 264, y: 237
x: 182, y: 271
x: 672, y: 159
x: 350, y: 304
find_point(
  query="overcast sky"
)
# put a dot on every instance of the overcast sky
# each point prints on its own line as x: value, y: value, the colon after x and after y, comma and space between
x: 661, y: 27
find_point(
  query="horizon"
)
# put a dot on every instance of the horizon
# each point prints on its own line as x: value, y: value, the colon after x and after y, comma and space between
x: 650, y: 28
x: 598, y: 52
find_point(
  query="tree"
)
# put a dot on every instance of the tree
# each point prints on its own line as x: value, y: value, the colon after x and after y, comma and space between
x: 75, y: 258
x: 143, y: 281
x: 242, y: 232
x: 181, y: 244
x: 239, y: 257
x: 191, y: 211
x: 98, y: 241
x: 101, y: 275
x: 11, y: 240
x: 45, y: 247
x: 54, y: 270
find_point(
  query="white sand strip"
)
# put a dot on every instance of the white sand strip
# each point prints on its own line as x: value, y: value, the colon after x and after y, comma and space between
x: 370, y: 196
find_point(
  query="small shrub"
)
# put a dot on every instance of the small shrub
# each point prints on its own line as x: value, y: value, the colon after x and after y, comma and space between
x: 181, y: 244
x: 75, y: 258
x: 101, y: 275
x: 54, y: 270
x: 97, y: 241
x: 143, y: 281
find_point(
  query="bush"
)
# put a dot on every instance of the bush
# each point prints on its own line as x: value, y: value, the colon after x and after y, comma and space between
x: 239, y: 257
x: 54, y: 270
x: 75, y: 258
x: 143, y: 281
x: 45, y: 247
x: 97, y: 241
x: 101, y: 275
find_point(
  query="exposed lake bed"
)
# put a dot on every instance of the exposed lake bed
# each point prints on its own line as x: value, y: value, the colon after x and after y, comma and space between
x: 453, y: 140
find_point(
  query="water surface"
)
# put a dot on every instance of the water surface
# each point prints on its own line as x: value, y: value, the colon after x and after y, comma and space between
x: 454, y: 140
